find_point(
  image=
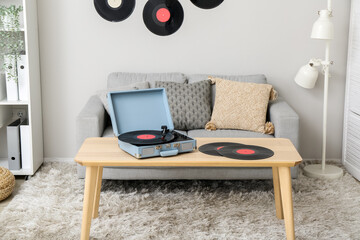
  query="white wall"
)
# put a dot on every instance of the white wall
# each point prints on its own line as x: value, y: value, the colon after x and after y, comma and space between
x: 79, y: 49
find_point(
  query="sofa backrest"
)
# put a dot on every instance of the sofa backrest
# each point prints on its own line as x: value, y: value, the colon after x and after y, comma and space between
x: 257, y: 78
x: 117, y: 79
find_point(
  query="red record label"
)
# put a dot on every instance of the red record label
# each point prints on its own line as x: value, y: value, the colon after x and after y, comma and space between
x: 245, y: 151
x: 163, y: 15
x: 146, y: 136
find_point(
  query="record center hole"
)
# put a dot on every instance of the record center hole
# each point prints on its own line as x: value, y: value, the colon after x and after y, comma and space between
x: 163, y: 15
x: 146, y: 136
x: 245, y: 151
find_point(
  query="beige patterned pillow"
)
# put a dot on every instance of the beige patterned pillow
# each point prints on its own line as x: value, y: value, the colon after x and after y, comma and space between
x: 240, y: 105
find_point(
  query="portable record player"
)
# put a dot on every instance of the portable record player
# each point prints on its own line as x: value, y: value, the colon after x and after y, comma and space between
x: 142, y: 122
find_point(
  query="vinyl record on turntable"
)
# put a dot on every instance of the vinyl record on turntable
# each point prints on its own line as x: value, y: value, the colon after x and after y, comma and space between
x: 246, y: 152
x: 114, y: 10
x: 211, y: 148
x: 207, y: 4
x: 163, y: 17
x: 146, y: 137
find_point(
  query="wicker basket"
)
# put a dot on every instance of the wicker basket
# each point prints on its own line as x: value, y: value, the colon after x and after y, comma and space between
x: 7, y: 183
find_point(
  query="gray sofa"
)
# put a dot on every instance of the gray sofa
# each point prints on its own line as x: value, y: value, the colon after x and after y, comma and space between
x: 93, y: 121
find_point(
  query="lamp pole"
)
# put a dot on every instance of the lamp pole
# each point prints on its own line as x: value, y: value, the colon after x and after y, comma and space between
x: 326, y: 65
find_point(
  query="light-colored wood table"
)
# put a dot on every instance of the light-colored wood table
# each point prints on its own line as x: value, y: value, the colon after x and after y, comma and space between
x: 96, y: 153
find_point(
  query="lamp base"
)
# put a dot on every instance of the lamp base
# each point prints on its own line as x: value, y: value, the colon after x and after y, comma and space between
x: 330, y: 172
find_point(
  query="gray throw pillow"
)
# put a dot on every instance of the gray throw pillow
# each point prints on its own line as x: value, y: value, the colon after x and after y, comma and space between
x: 102, y: 94
x: 190, y: 104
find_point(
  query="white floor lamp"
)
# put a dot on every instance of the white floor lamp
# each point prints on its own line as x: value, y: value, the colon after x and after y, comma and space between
x: 323, y: 29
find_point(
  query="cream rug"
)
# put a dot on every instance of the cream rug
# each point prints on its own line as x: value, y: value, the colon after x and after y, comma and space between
x: 49, y: 206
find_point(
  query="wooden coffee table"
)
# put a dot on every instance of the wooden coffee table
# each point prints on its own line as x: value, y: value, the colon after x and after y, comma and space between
x: 96, y: 153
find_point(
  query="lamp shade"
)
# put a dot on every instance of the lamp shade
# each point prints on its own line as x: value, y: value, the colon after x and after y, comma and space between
x: 323, y: 28
x: 307, y: 76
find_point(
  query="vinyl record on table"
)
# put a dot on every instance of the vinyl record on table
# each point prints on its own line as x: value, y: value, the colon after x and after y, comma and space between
x: 207, y: 4
x: 246, y: 152
x: 211, y: 148
x: 114, y: 10
x: 163, y: 17
x: 145, y: 137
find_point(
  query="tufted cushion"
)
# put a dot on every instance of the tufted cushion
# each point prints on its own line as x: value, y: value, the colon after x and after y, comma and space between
x: 240, y: 105
x: 190, y: 104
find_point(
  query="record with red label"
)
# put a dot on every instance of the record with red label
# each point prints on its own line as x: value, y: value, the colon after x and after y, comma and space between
x: 207, y: 4
x: 211, y: 148
x: 114, y: 10
x: 246, y: 152
x: 163, y: 17
x: 146, y: 137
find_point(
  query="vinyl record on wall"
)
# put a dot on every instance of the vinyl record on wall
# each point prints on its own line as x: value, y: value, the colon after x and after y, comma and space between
x: 114, y: 10
x: 163, y: 17
x: 207, y: 4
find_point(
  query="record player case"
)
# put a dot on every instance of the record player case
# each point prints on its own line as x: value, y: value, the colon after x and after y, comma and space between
x: 146, y: 109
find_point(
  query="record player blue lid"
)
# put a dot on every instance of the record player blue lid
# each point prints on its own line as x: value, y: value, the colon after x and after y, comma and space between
x: 134, y: 110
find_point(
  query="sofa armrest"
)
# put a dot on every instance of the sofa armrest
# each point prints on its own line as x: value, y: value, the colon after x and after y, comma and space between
x: 91, y: 121
x: 285, y: 120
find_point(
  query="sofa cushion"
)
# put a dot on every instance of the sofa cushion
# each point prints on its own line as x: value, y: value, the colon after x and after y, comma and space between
x: 117, y: 79
x: 240, y: 106
x: 190, y: 104
x: 102, y: 94
x: 226, y: 134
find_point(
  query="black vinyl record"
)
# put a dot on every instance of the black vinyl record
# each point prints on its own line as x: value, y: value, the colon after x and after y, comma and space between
x: 146, y: 137
x: 163, y: 17
x: 114, y: 10
x: 246, y: 152
x: 207, y: 4
x: 211, y: 148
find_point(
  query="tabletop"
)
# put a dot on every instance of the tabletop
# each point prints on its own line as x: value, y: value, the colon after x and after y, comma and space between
x: 106, y: 152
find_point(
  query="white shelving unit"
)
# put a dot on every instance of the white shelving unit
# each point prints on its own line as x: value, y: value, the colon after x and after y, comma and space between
x: 351, y: 141
x: 32, y: 107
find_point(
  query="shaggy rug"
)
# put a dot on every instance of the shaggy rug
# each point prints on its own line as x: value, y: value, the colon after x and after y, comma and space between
x: 49, y: 206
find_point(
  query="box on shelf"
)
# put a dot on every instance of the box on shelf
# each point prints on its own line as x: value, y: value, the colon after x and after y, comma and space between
x: 25, y: 145
x: 12, y: 92
x: 13, y: 142
x: 23, y: 81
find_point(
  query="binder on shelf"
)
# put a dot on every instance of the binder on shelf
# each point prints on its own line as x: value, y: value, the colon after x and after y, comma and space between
x: 12, y: 92
x: 13, y: 142
x: 23, y: 80
x: 25, y: 145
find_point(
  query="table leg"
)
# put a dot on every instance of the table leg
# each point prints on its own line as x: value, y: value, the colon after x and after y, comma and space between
x: 286, y: 197
x: 99, y: 174
x: 277, y: 193
x: 88, y: 205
